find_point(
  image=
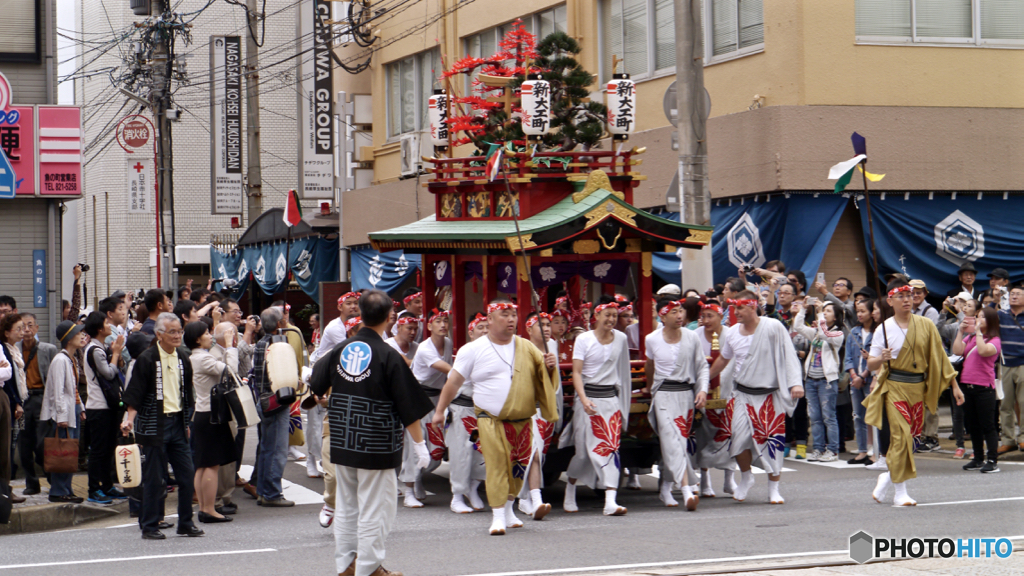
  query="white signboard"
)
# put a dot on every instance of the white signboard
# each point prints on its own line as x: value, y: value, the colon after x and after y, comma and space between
x: 140, y: 185
x: 316, y: 105
x: 226, y: 190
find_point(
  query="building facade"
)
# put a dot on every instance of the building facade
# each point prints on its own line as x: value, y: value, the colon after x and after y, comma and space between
x: 937, y: 92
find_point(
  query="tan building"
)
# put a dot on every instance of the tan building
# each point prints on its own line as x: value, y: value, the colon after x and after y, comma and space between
x: 937, y: 89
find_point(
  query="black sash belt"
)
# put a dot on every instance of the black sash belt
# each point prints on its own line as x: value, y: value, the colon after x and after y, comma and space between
x: 462, y: 400
x: 906, y: 377
x: 675, y: 386
x: 431, y: 392
x: 754, y: 391
x: 598, y: 391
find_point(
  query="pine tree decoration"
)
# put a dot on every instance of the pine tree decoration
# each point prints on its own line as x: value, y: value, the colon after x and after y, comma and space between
x: 577, y: 121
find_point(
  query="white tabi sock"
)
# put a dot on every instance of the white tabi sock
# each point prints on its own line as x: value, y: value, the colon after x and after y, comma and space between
x: 410, y: 498
x: 569, y: 503
x: 474, y: 495
x: 902, y: 498
x: 881, y: 487
x: 730, y: 482
x: 689, y: 498
x: 535, y: 495
x: 498, y: 521
x: 459, y: 505
x: 666, y: 495
x: 611, y: 508
x: 744, y: 486
x: 510, y: 517
x: 773, y: 493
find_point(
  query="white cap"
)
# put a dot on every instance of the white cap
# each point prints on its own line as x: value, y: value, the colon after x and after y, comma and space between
x: 964, y: 296
x: 669, y: 290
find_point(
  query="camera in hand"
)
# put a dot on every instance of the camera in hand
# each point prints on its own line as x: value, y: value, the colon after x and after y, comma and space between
x: 747, y: 269
x: 84, y: 267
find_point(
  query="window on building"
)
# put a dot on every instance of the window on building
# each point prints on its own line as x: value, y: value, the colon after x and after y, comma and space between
x: 977, y: 22
x: 19, y: 31
x: 411, y: 81
x: 737, y: 29
x: 541, y: 24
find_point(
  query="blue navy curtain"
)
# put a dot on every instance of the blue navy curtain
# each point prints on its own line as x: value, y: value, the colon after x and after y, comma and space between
x: 268, y: 265
x: 312, y: 261
x: 382, y: 270
x: 930, y: 239
x: 795, y: 230
x: 230, y: 265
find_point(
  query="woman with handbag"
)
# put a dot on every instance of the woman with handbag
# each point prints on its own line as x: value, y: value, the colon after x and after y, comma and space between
x: 822, y: 368
x: 63, y: 407
x: 214, y: 443
x: 102, y: 407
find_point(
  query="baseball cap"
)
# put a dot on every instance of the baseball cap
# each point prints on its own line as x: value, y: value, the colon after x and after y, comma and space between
x: 867, y: 292
x: 999, y: 273
x: 919, y: 284
x: 670, y: 290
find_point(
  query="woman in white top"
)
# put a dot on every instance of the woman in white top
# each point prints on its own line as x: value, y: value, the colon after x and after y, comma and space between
x: 677, y: 374
x: 60, y: 401
x: 430, y: 366
x: 600, y: 375
x: 214, y: 443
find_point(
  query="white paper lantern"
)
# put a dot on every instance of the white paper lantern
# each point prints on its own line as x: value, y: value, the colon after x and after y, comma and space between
x: 620, y: 98
x: 437, y: 107
x: 536, y: 95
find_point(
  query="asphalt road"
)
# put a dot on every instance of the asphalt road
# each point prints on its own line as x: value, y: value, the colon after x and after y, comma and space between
x: 824, y: 506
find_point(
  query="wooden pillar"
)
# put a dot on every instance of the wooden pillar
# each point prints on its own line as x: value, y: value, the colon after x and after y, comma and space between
x: 428, y: 286
x: 458, y: 317
x: 644, y: 298
x: 489, y: 280
x: 523, y: 296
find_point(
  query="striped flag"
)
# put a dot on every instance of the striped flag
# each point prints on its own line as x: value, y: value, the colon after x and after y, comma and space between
x: 292, y: 209
x: 494, y: 159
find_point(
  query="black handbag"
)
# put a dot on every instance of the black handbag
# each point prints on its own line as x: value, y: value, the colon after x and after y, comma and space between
x: 220, y: 410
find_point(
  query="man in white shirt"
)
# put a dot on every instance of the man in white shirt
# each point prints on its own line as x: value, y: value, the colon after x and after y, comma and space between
x: 405, y: 330
x: 334, y: 333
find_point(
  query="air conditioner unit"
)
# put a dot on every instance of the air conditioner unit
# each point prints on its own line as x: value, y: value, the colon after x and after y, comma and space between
x: 410, y: 153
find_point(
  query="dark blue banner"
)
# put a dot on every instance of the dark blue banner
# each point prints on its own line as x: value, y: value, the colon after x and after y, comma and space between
x: 930, y: 239
x: 231, y: 265
x: 382, y: 270
x: 312, y: 261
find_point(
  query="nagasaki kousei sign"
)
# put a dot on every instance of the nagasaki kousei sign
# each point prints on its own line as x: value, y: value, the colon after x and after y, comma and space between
x: 316, y: 105
x: 226, y: 190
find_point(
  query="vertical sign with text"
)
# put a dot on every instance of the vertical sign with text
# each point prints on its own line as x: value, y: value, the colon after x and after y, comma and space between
x: 140, y: 185
x: 39, y: 278
x: 315, y: 101
x: 226, y: 191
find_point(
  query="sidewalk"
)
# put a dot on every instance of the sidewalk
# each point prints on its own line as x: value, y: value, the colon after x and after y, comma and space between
x: 38, y: 514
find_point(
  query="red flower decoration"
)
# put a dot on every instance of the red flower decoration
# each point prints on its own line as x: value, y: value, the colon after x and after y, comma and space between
x: 435, y: 437
x: 469, y: 422
x: 547, y: 431
x: 609, y: 434
x: 521, y: 445
x: 722, y: 421
x: 914, y: 415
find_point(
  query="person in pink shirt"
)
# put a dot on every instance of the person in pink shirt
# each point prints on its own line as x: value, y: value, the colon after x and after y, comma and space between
x: 978, y: 342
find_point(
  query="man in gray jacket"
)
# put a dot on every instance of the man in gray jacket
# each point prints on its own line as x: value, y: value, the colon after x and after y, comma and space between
x: 38, y: 356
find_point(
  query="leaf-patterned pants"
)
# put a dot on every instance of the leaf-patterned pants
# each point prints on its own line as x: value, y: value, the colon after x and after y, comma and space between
x: 507, y: 447
x: 465, y: 462
x: 596, y: 462
x: 759, y: 425
x: 672, y: 413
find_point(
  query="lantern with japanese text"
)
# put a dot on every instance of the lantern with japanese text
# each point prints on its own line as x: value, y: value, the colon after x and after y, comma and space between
x: 536, y: 104
x: 620, y: 98
x: 437, y: 106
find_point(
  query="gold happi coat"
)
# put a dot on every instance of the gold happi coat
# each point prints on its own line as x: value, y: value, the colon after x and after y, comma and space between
x: 905, y: 403
x: 506, y: 439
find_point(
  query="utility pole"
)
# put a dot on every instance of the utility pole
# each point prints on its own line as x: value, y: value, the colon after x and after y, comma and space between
x: 254, y: 177
x: 160, y: 101
x: 693, y: 150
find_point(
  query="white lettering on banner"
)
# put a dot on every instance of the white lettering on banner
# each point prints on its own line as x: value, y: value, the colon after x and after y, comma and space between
x: 315, y: 102
x: 620, y: 98
x: 140, y: 184
x: 744, y: 243
x: 959, y: 238
x: 536, y: 98
x: 376, y: 270
x: 226, y: 189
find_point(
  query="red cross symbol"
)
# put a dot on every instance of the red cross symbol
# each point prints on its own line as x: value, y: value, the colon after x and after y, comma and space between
x: 138, y: 166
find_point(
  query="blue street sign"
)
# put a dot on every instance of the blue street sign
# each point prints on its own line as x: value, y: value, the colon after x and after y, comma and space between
x: 7, y: 177
x: 39, y: 278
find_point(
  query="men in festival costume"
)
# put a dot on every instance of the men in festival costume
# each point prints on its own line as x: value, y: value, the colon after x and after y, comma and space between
x: 365, y: 376
x: 405, y: 330
x: 677, y: 374
x: 334, y: 332
x: 538, y: 329
x: 413, y: 302
x: 509, y: 378
x: 430, y: 366
x: 766, y: 387
x: 714, y: 435
x: 465, y: 462
x: 913, y: 370
x: 600, y: 375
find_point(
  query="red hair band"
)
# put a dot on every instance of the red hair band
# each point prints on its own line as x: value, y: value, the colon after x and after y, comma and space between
x: 560, y: 300
x: 476, y: 320
x: 626, y: 308
x: 352, y: 323
x: 715, y: 307
x: 904, y: 288
x: 603, y: 307
x: 669, y: 307
x: 411, y: 297
x: 348, y: 295
x: 743, y: 302
x: 410, y: 319
x: 540, y: 316
x: 586, y: 305
x: 563, y: 313
x: 497, y: 306
x: 435, y: 313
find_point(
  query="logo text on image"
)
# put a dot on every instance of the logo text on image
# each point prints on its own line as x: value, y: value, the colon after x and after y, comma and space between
x: 864, y: 547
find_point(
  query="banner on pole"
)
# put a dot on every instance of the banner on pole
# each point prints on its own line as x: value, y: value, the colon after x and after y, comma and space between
x: 226, y: 192
x: 140, y: 185
x: 315, y: 103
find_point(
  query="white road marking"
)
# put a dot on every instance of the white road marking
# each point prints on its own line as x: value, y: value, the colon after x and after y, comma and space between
x: 134, y: 558
x: 971, y: 501
x: 660, y: 564
x: 294, y: 492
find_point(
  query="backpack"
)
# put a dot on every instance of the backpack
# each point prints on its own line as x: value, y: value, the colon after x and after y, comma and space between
x: 111, y: 389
